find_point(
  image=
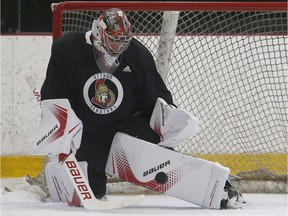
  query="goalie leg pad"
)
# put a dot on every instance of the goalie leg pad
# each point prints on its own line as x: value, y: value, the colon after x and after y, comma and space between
x: 59, y: 185
x: 191, y: 179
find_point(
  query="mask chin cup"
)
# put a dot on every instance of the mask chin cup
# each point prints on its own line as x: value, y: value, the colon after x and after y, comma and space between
x: 105, y: 62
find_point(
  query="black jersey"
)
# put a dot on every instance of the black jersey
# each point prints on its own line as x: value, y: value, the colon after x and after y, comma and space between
x: 102, y: 101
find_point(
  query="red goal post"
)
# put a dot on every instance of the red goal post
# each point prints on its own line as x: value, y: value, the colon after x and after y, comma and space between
x: 225, y: 62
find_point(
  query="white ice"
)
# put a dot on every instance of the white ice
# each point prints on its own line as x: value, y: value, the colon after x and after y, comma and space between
x: 25, y: 203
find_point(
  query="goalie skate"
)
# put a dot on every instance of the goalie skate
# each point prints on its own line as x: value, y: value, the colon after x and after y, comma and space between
x: 234, y: 199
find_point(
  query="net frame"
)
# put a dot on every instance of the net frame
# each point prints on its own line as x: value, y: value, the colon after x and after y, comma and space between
x: 58, y: 8
x: 259, y: 174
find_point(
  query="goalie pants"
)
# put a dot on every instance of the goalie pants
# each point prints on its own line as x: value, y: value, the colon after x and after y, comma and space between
x: 95, y: 151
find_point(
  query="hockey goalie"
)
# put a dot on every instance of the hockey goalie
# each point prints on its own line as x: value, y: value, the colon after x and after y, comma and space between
x: 105, y: 105
x: 156, y: 167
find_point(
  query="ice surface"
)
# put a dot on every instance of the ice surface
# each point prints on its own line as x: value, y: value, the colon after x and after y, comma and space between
x: 26, y: 203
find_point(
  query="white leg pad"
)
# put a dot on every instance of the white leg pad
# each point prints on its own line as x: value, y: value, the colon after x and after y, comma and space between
x: 54, y: 182
x: 145, y: 164
x: 60, y: 186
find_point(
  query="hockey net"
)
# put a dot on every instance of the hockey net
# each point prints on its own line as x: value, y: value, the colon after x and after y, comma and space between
x: 226, y: 63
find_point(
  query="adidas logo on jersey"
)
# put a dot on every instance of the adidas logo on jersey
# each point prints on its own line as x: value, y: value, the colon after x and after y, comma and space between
x: 127, y: 69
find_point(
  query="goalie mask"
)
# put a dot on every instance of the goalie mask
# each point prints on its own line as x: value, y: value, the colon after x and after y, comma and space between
x: 111, y: 36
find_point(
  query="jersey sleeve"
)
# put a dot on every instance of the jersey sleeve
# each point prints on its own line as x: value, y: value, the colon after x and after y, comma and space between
x: 56, y: 84
x: 151, y: 85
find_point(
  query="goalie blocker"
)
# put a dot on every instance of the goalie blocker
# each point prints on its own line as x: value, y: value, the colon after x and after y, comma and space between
x: 145, y: 164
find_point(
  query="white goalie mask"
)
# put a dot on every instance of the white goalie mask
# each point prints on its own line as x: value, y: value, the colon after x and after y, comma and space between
x: 111, y: 36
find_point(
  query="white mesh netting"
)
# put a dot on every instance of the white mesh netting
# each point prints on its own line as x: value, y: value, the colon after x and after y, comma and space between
x: 230, y: 70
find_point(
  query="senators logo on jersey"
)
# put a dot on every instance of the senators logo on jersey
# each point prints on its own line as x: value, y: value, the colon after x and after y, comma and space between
x: 103, y: 93
x: 104, y: 97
